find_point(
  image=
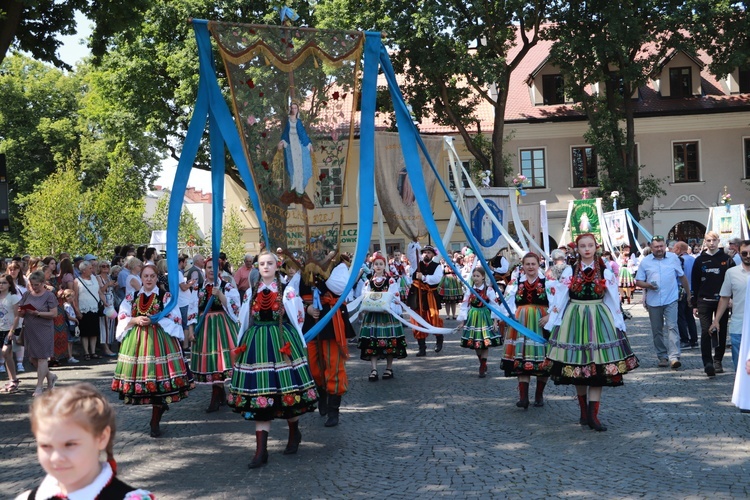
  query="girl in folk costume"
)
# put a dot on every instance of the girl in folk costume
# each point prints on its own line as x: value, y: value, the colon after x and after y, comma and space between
x: 400, y: 271
x: 587, y: 344
x: 150, y: 367
x: 524, y: 357
x: 271, y: 376
x: 450, y: 288
x: 216, y: 335
x: 626, y: 279
x: 381, y: 334
x: 476, y: 320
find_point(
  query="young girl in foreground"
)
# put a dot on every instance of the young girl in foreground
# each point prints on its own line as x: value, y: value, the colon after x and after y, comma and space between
x: 72, y: 426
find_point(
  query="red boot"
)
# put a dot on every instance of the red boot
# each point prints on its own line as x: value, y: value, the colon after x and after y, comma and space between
x: 523, y: 389
x: 156, y: 413
x: 584, y: 420
x: 594, y: 417
x: 295, y: 438
x: 482, y: 368
x: 261, y: 450
x: 539, y: 394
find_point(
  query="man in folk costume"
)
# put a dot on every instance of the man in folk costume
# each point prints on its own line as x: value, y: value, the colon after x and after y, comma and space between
x: 423, y: 296
x: 328, y: 351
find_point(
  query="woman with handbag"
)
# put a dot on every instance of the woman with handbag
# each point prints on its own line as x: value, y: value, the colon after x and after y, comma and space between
x: 381, y: 335
x: 89, y: 304
x: 38, y: 307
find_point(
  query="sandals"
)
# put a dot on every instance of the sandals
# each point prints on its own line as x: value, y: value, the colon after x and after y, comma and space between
x: 37, y: 392
x: 95, y: 356
x: 374, y: 376
x: 87, y: 357
x: 11, y: 387
x: 388, y: 374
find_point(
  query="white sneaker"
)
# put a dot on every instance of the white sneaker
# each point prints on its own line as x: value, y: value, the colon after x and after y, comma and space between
x: 20, y: 368
x: 2, y: 368
x: 73, y: 360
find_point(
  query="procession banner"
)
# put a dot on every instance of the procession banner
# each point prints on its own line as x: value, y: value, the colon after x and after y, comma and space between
x: 728, y: 222
x: 394, y: 191
x: 585, y: 219
x: 617, y: 227
x: 487, y: 234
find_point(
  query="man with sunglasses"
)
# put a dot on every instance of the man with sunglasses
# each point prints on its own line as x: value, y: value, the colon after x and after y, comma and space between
x: 707, y: 277
x: 657, y: 275
x: 734, y: 288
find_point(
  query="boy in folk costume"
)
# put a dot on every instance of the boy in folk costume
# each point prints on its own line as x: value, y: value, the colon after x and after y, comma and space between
x: 327, y: 353
x: 423, y: 296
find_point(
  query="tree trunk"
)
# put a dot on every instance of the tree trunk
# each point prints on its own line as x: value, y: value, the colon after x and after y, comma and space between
x: 9, y: 25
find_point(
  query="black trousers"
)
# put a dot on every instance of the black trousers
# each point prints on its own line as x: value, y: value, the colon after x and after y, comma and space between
x: 706, y: 313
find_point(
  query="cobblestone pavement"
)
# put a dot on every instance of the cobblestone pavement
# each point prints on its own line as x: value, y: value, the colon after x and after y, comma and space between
x: 435, y: 430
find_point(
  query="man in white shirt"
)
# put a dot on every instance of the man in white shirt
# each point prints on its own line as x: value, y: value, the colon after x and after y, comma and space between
x: 734, y: 287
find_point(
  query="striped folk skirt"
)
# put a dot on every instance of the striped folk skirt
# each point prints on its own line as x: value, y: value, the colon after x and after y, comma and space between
x: 150, y: 368
x: 451, y: 289
x: 626, y: 278
x: 217, y: 336
x: 478, y: 332
x: 523, y: 356
x: 268, y: 383
x: 381, y: 335
x: 587, y: 349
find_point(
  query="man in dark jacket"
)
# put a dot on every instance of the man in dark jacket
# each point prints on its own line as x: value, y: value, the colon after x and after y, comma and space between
x: 707, y: 276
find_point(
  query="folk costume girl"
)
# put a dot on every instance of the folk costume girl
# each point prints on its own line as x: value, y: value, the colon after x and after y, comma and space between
x: 271, y: 376
x: 451, y: 290
x: 400, y: 271
x: 215, y: 336
x: 150, y: 367
x: 523, y: 357
x: 476, y: 320
x: 587, y: 345
x: 381, y: 335
x: 626, y: 277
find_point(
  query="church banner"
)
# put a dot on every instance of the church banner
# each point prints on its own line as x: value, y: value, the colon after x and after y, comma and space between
x: 395, y: 194
x: 617, y: 227
x: 487, y: 234
x: 585, y: 219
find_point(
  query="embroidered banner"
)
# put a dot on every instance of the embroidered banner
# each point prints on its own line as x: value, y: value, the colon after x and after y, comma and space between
x: 487, y: 234
x: 617, y: 227
x: 585, y: 219
x: 395, y: 193
x: 294, y: 93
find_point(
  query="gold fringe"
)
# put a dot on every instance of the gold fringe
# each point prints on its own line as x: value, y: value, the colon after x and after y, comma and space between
x: 283, y: 63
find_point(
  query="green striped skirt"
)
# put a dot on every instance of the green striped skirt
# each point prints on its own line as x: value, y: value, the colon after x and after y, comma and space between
x: 210, y: 361
x: 381, y: 335
x: 587, y: 349
x: 268, y: 383
x: 478, y: 332
x: 523, y: 356
x: 451, y: 289
x: 150, y: 368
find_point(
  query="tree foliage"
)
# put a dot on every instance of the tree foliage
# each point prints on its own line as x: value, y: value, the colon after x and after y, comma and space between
x: 231, y: 237
x: 35, y: 26
x: 451, y: 52
x: 189, y: 229
x: 616, y: 46
x: 722, y: 29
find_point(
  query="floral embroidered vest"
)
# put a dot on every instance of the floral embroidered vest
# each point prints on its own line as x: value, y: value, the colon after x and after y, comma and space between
x: 379, y: 285
x: 532, y: 293
x: 475, y: 302
x: 147, y: 305
x: 588, y: 284
x: 267, y: 305
x: 205, y: 293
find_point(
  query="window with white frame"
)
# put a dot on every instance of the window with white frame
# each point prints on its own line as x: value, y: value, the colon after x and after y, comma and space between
x: 686, y: 161
x: 533, y: 167
x: 452, y: 181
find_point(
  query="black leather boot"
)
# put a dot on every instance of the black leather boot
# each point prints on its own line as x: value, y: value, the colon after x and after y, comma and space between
x: 322, y: 401
x: 523, y: 391
x: 422, y: 348
x: 539, y: 395
x: 438, y: 343
x: 295, y: 438
x: 261, y: 451
x: 333, y: 411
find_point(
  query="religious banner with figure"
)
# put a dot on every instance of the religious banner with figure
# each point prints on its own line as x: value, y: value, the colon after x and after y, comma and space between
x: 395, y: 195
x: 584, y: 218
x: 617, y: 227
x: 487, y: 234
x: 729, y: 222
x: 294, y: 93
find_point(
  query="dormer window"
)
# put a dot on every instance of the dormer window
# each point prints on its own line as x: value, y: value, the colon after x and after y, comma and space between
x: 553, y: 89
x: 680, y: 82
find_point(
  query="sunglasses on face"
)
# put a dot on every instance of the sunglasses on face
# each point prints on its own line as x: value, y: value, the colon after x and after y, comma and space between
x: 745, y: 254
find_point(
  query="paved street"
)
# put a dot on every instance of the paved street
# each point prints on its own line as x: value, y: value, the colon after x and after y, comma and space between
x: 436, y: 430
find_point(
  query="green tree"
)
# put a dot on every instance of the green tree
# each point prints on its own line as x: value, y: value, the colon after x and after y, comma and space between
x: 35, y: 26
x: 189, y: 229
x: 722, y: 29
x: 53, y: 213
x: 231, y: 237
x: 617, y: 46
x: 452, y: 53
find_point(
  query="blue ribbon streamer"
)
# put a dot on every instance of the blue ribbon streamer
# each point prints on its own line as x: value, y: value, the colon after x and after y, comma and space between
x: 366, y: 171
x: 209, y: 104
x: 410, y: 138
x: 640, y: 228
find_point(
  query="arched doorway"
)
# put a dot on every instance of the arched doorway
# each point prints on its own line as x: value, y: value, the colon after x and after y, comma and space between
x: 689, y: 231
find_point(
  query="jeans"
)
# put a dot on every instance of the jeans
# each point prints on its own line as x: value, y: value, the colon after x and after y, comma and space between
x: 736, y: 339
x: 706, y: 313
x: 666, y: 342
x: 686, y: 322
